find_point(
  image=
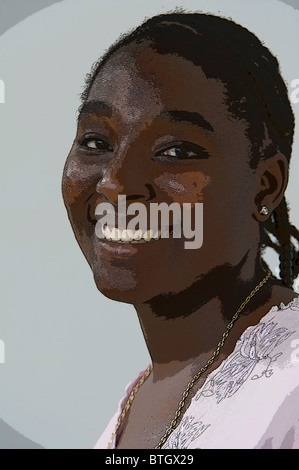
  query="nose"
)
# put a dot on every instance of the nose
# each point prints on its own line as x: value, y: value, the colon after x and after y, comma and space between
x: 128, y: 173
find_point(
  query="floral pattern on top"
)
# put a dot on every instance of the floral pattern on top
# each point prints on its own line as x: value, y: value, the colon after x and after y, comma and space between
x: 187, y: 431
x: 254, y: 346
x: 257, y: 344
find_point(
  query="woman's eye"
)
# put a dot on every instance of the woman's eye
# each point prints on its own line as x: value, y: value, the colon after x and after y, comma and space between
x: 184, y: 152
x: 97, y: 144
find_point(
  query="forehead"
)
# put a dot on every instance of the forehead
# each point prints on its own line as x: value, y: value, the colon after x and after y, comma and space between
x: 141, y: 82
x: 161, y: 93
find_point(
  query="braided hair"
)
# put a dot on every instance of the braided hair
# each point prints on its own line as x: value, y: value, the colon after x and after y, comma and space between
x: 256, y: 93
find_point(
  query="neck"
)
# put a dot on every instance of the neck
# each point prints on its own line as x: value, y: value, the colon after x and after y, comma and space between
x: 184, y: 329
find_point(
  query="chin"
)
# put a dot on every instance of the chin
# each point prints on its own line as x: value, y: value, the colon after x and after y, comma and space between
x: 120, y: 290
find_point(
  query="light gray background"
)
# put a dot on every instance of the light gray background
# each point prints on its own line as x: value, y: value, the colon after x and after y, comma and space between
x: 69, y: 350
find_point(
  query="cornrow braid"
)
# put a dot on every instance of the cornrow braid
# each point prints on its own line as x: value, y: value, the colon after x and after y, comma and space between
x: 295, y: 266
x: 281, y: 228
x: 258, y: 95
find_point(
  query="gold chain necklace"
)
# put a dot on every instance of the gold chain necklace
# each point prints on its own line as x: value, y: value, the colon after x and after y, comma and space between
x: 190, y: 385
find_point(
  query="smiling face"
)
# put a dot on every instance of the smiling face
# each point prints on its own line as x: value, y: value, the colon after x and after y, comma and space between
x: 155, y: 129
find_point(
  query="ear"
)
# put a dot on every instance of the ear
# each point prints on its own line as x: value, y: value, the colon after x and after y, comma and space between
x: 272, y: 179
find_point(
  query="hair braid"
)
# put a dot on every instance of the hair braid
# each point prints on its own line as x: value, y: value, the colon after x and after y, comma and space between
x: 281, y: 228
x: 295, y: 234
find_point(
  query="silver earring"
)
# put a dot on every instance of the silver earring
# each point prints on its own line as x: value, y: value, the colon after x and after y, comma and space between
x: 264, y: 210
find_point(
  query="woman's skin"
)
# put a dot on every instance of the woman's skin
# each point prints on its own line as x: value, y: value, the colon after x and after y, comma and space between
x: 184, y: 297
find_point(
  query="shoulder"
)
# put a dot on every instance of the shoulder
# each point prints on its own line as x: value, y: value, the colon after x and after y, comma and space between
x: 284, y: 316
x: 275, y: 338
x: 282, y: 323
x: 112, y: 431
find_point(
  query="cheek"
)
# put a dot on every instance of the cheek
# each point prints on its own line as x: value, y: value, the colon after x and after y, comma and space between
x: 77, y: 182
x: 77, y: 188
x: 184, y: 187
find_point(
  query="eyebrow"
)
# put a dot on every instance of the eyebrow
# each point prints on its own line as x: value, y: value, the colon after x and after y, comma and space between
x: 95, y: 107
x: 188, y: 116
x: 103, y: 109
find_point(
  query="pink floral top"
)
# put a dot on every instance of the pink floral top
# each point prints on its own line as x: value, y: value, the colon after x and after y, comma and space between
x: 251, y: 401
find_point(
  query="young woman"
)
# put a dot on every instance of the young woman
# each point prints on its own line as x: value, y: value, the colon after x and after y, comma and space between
x: 191, y: 108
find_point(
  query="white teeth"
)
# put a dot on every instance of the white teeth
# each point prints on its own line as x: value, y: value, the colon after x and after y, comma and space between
x: 106, y: 232
x: 115, y: 234
x: 137, y: 235
x: 127, y: 236
x: 157, y: 235
x: 148, y: 235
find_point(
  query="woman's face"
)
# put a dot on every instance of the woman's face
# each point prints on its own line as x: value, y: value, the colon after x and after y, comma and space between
x: 155, y: 129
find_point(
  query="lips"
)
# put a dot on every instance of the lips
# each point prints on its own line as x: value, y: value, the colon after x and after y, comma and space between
x: 123, y: 244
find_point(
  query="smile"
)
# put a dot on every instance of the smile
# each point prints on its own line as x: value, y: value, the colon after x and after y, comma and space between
x: 126, y: 231
x: 114, y: 234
